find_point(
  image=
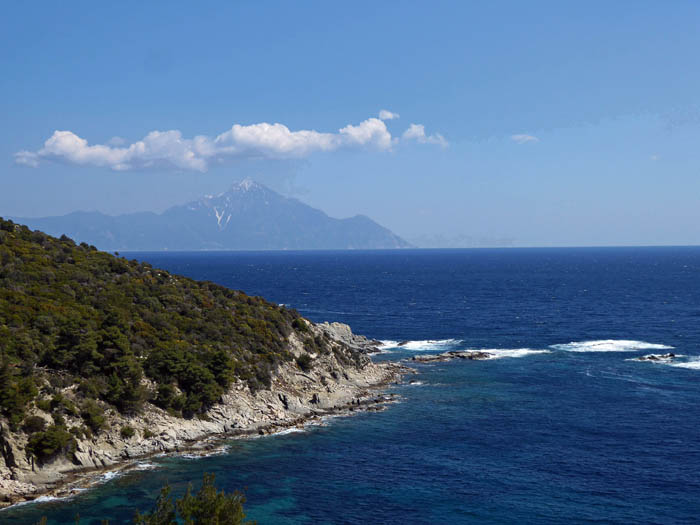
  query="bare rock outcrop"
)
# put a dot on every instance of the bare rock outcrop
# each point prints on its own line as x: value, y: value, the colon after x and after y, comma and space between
x: 343, y: 333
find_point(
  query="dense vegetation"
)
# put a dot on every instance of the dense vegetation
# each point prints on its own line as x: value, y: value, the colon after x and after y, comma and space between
x: 125, y: 334
x: 206, y: 507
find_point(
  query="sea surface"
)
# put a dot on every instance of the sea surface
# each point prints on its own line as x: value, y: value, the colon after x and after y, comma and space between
x: 564, y: 426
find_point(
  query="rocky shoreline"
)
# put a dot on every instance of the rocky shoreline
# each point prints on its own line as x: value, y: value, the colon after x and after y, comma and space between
x: 339, y: 382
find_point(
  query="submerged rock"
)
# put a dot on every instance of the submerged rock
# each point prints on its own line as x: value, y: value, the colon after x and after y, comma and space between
x: 453, y: 354
x: 657, y: 357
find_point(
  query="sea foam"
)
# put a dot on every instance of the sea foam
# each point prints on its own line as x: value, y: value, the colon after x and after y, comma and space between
x: 424, y: 344
x: 145, y: 465
x: 112, y: 474
x: 610, y: 345
x: 498, y: 353
x: 693, y: 363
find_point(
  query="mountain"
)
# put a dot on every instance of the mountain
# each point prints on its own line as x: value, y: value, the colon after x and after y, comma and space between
x: 249, y: 216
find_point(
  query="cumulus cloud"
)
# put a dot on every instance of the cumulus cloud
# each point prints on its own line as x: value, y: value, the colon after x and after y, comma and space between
x: 417, y: 132
x: 116, y: 141
x: 523, y: 138
x: 385, y: 114
x: 27, y: 158
x: 169, y: 149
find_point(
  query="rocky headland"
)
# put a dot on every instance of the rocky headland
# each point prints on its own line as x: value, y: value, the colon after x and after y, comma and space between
x: 104, y: 360
x: 340, y: 381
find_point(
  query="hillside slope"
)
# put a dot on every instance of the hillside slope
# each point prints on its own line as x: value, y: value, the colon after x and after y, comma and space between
x: 102, y: 359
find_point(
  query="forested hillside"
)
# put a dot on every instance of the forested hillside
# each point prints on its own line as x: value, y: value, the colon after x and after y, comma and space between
x: 124, y: 334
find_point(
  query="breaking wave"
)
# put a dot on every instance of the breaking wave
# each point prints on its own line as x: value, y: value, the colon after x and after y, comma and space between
x: 692, y: 363
x: 609, y: 345
x: 425, y: 344
x: 145, y: 465
x: 290, y: 430
x: 498, y: 353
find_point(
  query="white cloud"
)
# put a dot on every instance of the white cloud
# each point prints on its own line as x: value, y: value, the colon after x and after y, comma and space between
x: 655, y: 157
x: 523, y: 138
x: 417, y: 132
x: 385, y: 114
x: 370, y: 132
x: 27, y: 158
x: 116, y: 141
x: 169, y: 149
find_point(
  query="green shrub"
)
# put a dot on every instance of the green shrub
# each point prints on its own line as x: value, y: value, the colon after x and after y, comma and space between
x: 33, y: 424
x: 305, y: 362
x: 300, y: 325
x: 44, y: 404
x: 89, y: 388
x: 93, y: 416
x: 61, y: 403
x: 127, y: 432
x: 148, y: 434
x: 52, y: 442
x: 208, y: 506
x: 15, y: 393
x: 165, y: 396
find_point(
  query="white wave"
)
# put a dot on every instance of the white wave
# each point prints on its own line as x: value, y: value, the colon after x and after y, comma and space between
x: 693, y: 364
x: 145, y: 465
x: 610, y: 345
x: 425, y: 344
x: 291, y: 430
x: 199, y: 455
x: 107, y: 476
x: 498, y: 353
x: 44, y: 499
x: 40, y: 499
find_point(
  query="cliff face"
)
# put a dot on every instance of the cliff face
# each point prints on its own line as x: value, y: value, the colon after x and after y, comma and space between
x: 341, y: 379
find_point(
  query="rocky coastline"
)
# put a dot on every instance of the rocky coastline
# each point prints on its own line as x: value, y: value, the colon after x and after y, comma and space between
x: 339, y: 382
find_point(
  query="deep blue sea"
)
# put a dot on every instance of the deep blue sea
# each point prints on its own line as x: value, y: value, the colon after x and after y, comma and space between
x: 562, y: 427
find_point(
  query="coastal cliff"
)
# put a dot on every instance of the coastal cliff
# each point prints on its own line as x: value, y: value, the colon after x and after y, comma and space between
x: 104, y: 360
x: 341, y: 381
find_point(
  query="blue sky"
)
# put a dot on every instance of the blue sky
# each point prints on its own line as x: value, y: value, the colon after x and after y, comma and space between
x: 544, y: 123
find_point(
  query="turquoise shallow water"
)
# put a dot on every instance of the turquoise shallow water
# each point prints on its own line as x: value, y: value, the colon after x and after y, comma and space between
x: 550, y: 432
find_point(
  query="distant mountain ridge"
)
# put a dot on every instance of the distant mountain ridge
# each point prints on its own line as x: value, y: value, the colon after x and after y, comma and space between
x: 249, y: 216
